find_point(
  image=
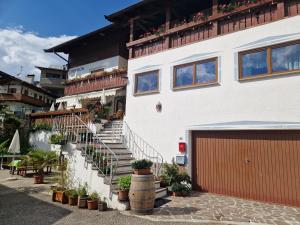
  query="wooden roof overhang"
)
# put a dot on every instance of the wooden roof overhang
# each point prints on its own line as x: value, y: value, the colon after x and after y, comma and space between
x: 101, y: 34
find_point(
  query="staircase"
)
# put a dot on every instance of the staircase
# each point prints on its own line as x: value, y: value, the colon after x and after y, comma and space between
x: 109, y: 151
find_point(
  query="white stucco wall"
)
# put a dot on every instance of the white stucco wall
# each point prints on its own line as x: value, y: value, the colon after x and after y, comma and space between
x: 40, y: 140
x: 272, y: 99
x: 106, y: 64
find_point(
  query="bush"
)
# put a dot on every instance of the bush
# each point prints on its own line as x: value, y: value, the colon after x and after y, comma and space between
x: 124, y: 183
x: 183, y: 177
x: 72, y: 193
x: 94, y: 196
x: 82, y: 191
x: 141, y: 164
x: 182, y: 187
x: 56, y: 139
x: 171, y: 175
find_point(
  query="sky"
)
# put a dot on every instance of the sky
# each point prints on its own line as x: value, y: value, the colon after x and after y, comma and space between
x: 29, y: 26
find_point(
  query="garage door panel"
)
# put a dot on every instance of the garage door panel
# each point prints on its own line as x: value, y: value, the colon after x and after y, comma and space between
x: 261, y: 165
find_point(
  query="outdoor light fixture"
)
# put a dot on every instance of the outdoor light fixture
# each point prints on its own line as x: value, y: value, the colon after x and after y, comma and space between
x: 158, y: 107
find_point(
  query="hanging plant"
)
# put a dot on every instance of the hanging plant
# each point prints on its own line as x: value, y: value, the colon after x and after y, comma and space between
x: 232, y: 5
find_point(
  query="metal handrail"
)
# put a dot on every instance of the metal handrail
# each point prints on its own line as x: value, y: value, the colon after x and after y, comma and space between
x: 94, y: 149
x: 140, y: 149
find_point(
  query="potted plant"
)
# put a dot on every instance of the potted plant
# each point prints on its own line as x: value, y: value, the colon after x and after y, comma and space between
x: 40, y: 159
x: 73, y: 197
x: 60, y: 195
x: 92, y: 201
x: 181, y: 189
x: 124, y: 186
x: 102, y: 205
x: 82, y: 196
x: 56, y: 141
x: 142, y: 167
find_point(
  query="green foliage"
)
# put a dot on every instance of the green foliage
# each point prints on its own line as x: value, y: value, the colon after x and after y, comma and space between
x: 94, y: 196
x: 82, y: 191
x: 171, y: 175
x: 141, y: 164
x: 4, y: 146
x: 41, y: 127
x: 183, y: 177
x: 72, y: 193
x: 41, y: 159
x: 124, y: 183
x: 56, y: 139
x: 182, y: 187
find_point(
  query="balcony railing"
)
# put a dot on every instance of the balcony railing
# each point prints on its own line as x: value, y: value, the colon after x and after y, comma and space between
x: 96, y: 84
x: 209, y: 26
x: 18, y: 97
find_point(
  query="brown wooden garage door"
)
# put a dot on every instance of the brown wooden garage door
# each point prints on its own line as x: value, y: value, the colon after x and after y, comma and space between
x: 260, y: 165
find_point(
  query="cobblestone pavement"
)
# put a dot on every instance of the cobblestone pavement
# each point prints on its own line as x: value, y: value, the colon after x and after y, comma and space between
x: 209, y: 207
x: 22, y: 203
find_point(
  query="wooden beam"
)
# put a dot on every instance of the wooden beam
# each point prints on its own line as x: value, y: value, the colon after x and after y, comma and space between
x: 168, y: 26
x: 131, y: 36
x: 280, y: 10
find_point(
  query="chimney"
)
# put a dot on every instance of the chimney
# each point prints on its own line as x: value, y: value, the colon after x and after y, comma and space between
x: 30, y: 78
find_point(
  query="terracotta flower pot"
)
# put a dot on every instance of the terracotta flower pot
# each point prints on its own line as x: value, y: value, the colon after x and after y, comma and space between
x: 82, y: 202
x: 123, y: 195
x: 73, y: 200
x: 146, y: 171
x: 92, y: 204
x: 60, y: 196
x: 179, y: 194
x: 38, y: 179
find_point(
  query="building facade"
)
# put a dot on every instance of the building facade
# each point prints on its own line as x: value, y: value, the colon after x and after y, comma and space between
x: 22, y: 97
x: 53, y: 80
x: 97, y: 69
x: 223, y: 82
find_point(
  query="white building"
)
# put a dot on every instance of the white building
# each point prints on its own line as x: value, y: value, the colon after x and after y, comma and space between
x: 226, y: 83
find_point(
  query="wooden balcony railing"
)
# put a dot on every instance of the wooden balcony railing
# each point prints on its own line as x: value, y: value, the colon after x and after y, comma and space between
x: 97, y: 84
x: 18, y: 97
x: 219, y: 23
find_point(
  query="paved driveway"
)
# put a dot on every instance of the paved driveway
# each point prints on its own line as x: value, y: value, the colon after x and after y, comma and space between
x: 22, y: 203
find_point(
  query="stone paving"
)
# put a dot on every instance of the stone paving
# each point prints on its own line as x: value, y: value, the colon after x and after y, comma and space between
x: 23, y: 197
x: 203, y: 207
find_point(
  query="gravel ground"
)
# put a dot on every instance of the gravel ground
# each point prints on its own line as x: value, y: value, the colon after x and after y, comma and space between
x: 22, y: 203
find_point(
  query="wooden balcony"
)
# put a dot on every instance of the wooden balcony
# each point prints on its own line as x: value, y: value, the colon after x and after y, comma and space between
x: 216, y: 24
x: 85, y: 85
x: 18, y: 97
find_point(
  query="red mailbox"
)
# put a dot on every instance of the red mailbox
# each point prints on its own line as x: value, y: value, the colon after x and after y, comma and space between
x: 182, y: 147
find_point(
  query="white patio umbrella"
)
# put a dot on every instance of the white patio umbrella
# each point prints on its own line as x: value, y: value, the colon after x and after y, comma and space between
x: 52, y: 109
x: 14, y: 147
x: 60, y: 107
x: 103, y: 98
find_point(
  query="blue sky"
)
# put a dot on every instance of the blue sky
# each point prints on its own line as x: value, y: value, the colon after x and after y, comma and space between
x: 58, y: 17
x: 29, y: 26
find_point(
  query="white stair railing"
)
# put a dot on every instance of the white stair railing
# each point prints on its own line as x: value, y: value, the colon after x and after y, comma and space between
x: 139, y: 148
x: 92, y: 147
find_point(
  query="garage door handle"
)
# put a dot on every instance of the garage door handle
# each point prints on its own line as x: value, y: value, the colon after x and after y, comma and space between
x: 247, y: 161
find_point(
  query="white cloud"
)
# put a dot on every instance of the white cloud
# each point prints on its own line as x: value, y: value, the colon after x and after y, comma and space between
x: 25, y: 49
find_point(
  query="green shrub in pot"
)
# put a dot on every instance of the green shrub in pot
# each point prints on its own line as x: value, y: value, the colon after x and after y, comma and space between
x: 142, y: 167
x: 124, y: 186
x: 181, y: 189
x: 57, y: 139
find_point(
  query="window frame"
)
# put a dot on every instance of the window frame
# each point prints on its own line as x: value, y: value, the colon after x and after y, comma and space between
x: 156, y: 91
x: 194, y: 64
x: 269, y: 61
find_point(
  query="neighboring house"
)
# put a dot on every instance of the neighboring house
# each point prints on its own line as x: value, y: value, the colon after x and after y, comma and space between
x: 23, y: 97
x: 53, y: 80
x: 97, y: 68
x: 224, y: 81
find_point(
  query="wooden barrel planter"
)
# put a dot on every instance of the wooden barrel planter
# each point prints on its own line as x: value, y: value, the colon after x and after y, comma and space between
x: 142, y: 193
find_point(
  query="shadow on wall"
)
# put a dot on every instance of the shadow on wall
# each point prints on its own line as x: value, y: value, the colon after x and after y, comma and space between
x: 20, y: 208
x: 40, y: 140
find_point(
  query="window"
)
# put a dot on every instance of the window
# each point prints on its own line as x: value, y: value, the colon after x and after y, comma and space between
x: 268, y: 61
x: 147, y: 82
x: 196, y: 74
x: 12, y: 90
x: 52, y: 76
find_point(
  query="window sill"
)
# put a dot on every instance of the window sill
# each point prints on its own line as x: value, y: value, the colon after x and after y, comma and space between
x: 216, y: 83
x: 146, y: 93
x: 263, y: 76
